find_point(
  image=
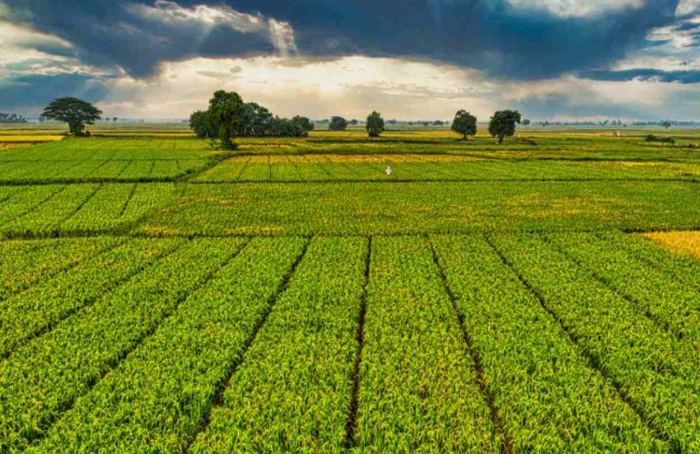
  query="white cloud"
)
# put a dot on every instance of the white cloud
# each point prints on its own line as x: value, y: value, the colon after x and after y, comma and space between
x: 20, y: 44
x: 576, y: 8
x: 318, y: 89
x: 686, y: 7
x: 279, y: 34
x: 354, y: 86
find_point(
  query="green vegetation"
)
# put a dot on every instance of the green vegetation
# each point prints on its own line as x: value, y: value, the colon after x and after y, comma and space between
x: 229, y: 117
x: 338, y: 124
x: 170, y: 381
x: 76, y: 112
x: 418, y: 384
x: 427, y: 207
x: 375, y: 124
x: 534, y: 296
x: 654, y: 138
x: 502, y: 124
x: 464, y: 124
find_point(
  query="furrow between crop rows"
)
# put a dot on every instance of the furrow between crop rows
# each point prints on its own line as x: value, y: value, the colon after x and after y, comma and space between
x: 44, y: 378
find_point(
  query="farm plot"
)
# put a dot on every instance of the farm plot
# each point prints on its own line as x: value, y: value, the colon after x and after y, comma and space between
x: 104, y: 160
x: 51, y: 210
x: 429, y: 207
x: 112, y: 149
x: 443, y: 343
x: 413, y: 167
x: 44, y: 377
x: 654, y: 370
x: 43, y: 172
x: 492, y: 300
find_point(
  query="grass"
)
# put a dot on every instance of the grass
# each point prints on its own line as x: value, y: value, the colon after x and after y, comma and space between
x: 159, y: 296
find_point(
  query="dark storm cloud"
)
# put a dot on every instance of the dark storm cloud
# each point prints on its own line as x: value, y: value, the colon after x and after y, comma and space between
x: 112, y: 32
x: 483, y: 34
x: 31, y: 92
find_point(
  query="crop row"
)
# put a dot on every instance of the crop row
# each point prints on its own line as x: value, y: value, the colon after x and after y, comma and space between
x: 657, y: 373
x: 429, y: 207
x: 89, y: 171
x: 25, y: 263
x: 44, y: 305
x: 160, y: 396
x: 672, y: 304
x: 85, y: 208
x: 547, y: 395
x: 426, y: 168
x: 439, y: 344
x: 112, y: 149
x: 43, y: 378
x: 293, y: 391
x: 418, y: 384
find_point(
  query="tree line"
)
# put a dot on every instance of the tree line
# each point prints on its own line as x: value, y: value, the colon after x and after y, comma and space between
x: 502, y: 124
x: 13, y: 119
x: 228, y: 117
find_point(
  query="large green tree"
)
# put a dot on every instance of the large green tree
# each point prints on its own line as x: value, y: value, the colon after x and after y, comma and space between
x: 338, y: 124
x: 198, y: 123
x: 503, y: 124
x: 226, y: 114
x: 375, y: 124
x: 464, y: 124
x: 76, y: 112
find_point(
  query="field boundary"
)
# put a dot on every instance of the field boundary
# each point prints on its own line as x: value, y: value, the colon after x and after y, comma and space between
x: 454, y: 180
x: 473, y: 354
x: 351, y: 423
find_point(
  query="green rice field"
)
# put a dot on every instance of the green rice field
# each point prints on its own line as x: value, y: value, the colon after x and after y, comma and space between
x: 158, y: 296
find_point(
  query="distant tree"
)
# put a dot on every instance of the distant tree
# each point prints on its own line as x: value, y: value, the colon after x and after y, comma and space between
x: 198, y: 123
x: 226, y: 115
x: 114, y: 119
x: 302, y: 126
x: 438, y: 123
x: 338, y: 124
x: 354, y: 122
x: 296, y: 127
x: 526, y: 122
x: 77, y: 113
x: 42, y: 119
x: 503, y: 124
x: 464, y: 123
x: 12, y: 118
x: 426, y: 124
x: 257, y: 121
x: 666, y: 124
x: 375, y: 124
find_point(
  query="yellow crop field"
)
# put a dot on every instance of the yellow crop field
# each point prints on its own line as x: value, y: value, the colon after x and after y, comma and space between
x: 687, y: 243
x: 28, y: 138
x: 352, y: 159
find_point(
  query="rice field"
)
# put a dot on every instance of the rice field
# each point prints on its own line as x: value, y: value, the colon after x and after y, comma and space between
x: 157, y: 296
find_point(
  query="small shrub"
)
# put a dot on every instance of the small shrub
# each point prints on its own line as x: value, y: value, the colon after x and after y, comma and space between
x: 653, y: 138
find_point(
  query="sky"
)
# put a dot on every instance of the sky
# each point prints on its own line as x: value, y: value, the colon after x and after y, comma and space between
x: 408, y: 59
